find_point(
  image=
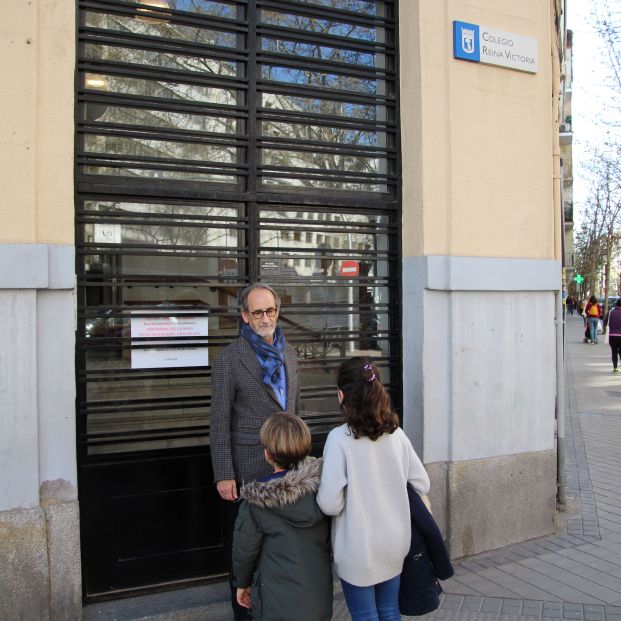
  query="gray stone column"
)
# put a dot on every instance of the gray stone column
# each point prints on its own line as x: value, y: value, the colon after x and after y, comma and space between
x: 40, y: 575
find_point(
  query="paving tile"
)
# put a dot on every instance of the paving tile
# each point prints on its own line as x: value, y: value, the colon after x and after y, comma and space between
x: 473, y: 581
x: 575, y: 581
x: 513, y: 579
x: 487, y: 562
x: 491, y: 604
x: 472, y: 603
x: 589, y: 559
x: 606, y: 555
x: 457, y: 587
x: 532, y: 608
x: 471, y: 565
x: 555, y: 613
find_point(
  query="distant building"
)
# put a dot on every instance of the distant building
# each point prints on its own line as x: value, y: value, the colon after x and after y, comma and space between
x: 566, y: 140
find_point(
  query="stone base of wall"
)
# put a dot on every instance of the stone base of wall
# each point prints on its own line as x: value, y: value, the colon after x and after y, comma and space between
x: 486, y: 504
x: 438, y: 474
x: 63, y: 542
x: 40, y: 575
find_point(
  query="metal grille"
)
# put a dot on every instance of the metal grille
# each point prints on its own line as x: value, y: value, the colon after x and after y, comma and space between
x: 220, y: 143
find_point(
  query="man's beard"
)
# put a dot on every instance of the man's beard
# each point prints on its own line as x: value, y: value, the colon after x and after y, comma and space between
x: 264, y: 331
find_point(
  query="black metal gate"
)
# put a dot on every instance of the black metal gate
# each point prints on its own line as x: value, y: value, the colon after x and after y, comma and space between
x: 219, y: 143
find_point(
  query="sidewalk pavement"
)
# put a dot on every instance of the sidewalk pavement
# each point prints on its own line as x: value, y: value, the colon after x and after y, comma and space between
x: 574, y: 574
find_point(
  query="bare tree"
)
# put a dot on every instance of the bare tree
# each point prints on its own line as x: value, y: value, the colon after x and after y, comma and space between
x: 598, y: 239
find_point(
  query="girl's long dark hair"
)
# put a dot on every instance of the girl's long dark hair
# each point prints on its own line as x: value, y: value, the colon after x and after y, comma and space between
x: 366, y: 404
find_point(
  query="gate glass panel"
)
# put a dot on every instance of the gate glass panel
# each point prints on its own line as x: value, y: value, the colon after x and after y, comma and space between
x: 219, y: 143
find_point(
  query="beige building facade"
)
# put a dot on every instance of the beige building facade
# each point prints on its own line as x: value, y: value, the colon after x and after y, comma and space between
x: 481, y: 266
x: 478, y: 277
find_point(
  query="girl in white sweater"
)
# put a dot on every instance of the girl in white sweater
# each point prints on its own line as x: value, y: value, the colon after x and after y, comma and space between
x: 368, y: 462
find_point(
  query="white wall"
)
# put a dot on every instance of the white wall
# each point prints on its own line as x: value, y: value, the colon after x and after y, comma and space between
x: 494, y: 355
x: 19, y: 483
x: 479, y: 356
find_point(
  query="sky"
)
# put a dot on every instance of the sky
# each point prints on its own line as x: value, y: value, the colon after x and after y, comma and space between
x: 590, y: 93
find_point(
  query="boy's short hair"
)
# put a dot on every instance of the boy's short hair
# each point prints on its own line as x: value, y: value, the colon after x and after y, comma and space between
x: 287, y: 439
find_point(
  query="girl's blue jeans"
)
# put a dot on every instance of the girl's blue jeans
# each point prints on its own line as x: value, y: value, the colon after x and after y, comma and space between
x: 378, y: 602
x: 593, y: 326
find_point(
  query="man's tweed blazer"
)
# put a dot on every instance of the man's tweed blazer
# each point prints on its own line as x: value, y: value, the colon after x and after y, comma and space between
x: 240, y: 404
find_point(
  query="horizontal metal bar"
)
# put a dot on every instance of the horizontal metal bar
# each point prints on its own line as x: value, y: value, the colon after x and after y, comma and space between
x: 152, y: 132
x: 288, y: 197
x: 182, y: 17
x: 324, y: 66
x: 152, y: 163
x: 319, y: 174
x: 150, y: 72
x: 321, y: 39
x: 85, y: 215
x: 319, y: 146
x: 146, y: 436
x: 331, y: 121
x: 124, y: 188
x: 285, y: 88
x: 206, y: 281
x: 182, y: 106
x: 290, y: 6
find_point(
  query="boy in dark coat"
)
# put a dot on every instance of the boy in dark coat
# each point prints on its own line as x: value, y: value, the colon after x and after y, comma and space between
x: 281, y: 549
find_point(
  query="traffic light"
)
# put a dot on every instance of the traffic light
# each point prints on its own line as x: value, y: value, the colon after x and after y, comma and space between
x: 579, y: 278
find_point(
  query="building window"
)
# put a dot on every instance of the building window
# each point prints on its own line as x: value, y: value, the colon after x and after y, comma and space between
x: 220, y: 143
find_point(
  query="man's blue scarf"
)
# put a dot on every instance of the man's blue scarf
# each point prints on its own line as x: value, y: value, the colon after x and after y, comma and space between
x: 271, y: 357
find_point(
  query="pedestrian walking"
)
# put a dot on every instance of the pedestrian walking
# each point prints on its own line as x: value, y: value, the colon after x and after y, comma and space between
x: 255, y: 376
x: 593, y: 313
x: 368, y: 462
x: 613, y: 323
x: 281, y: 545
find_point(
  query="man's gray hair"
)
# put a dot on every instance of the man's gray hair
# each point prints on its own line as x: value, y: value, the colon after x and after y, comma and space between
x: 243, y: 300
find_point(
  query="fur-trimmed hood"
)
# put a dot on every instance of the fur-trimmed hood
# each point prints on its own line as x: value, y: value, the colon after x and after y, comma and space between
x: 292, y: 496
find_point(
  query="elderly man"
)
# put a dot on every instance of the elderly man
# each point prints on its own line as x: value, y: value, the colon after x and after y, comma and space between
x: 255, y: 376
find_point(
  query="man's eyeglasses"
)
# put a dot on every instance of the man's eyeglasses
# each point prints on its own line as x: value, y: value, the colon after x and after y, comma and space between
x: 270, y: 312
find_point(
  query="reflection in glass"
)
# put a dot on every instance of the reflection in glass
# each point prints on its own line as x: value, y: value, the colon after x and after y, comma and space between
x: 362, y: 7
x: 215, y: 211
x: 162, y: 89
x: 319, y: 79
x: 333, y: 269
x: 318, y: 25
x: 325, y: 319
x: 321, y: 107
x: 160, y: 149
x: 153, y: 26
x: 165, y: 120
x: 211, y: 8
x: 139, y: 255
x: 320, y: 160
x: 321, y: 133
x: 143, y: 171
x: 317, y: 52
x: 161, y: 60
x: 167, y: 236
